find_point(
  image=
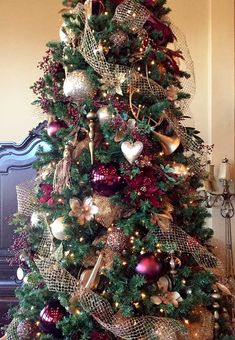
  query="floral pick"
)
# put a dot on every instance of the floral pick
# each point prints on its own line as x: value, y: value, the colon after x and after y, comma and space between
x: 166, y: 296
x: 83, y: 211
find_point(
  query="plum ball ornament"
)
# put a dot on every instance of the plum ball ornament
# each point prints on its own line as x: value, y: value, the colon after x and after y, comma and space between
x: 78, y: 86
x: 105, y: 179
x: 117, y: 241
x: 54, y: 126
x: 50, y: 315
x: 149, y: 266
x: 27, y: 330
x: 58, y: 229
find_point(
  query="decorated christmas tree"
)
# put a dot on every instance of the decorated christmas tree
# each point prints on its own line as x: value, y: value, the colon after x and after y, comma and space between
x: 112, y: 239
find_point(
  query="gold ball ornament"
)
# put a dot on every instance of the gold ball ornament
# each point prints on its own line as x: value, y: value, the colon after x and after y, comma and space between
x: 104, y: 115
x: 78, y: 86
x: 58, y: 229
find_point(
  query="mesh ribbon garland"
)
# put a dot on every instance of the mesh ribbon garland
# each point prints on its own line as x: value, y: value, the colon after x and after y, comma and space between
x: 175, y: 239
x: 133, y: 15
x: 25, y: 197
x: 147, y: 327
x: 11, y: 333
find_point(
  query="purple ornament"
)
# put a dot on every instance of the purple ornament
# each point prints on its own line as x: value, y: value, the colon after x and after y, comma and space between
x: 105, y: 179
x: 50, y: 315
x: 54, y: 126
x: 149, y: 266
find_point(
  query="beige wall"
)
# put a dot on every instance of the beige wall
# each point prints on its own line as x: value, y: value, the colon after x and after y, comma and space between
x: 27, y: 25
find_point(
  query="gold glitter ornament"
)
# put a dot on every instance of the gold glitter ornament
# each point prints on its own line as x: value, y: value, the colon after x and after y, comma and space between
x: 117, y: 241
x: 119, y: 38
x: 104, y: 115
x: 78, y: 86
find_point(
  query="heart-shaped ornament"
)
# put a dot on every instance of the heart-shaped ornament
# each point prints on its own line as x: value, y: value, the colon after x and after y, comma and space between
x: 132, y: 151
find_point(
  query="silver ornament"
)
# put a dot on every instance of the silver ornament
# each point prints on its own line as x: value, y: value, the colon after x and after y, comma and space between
x: 78, y: 86
x: 104, y: 115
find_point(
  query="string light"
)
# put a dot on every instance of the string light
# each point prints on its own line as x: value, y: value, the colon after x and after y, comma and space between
x: 136, y: 304
x: 186, y: 321
x: 106, y: 13
x: 81, y: 239
x: 143, y: 295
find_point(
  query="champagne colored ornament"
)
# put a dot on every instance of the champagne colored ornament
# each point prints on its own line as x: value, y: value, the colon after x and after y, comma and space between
x: 132, y: 151
x: 85, y: 276
x: 92, y: 117
x: 62, y: 178
x: 168, y: 144
x: 119, y: 38
x: 90, y: 277
x: 117, y: 241
x: 104, y: 115
x: 27, y: 329
x: 166, y: 296
x: 58, y: 229
x: 78, y: 86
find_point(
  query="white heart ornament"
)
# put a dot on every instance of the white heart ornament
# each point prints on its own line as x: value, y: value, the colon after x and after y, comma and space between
x: 132, y: 151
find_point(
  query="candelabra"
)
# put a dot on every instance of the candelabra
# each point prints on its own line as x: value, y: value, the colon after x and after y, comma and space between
x: 226, y: 210
x: 211, y: 198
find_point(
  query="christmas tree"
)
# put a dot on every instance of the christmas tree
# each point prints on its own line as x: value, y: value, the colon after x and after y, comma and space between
x: 112, y: 238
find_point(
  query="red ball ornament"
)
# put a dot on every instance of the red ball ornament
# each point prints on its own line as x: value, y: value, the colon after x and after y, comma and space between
x: 54, y: 126
x: 105, y: 179
x: 117, y: 241
x: 27, y: 330
x: 150, y: 267
x: 50, y: 315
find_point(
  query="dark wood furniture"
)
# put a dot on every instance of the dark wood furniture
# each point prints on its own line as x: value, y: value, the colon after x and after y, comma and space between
x: 15, y: 168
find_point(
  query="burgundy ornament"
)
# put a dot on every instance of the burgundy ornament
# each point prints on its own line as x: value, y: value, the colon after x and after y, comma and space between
x: 50, y: 315
x: 27, y: 329
x: 150, y: 267
x: 105, y: 179
x: 54, y: 126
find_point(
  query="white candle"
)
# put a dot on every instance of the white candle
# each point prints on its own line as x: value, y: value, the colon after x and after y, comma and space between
x: 225, y: 170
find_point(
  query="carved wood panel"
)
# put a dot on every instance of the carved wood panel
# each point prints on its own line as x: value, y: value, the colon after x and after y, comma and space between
x: 15, y: 168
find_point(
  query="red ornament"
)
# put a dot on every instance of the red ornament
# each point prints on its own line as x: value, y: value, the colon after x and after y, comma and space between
x: 54, y: 126
x: 150, y: 267
x: 105, y: 179
x: 27, y: 329
x: 46, y: 193
x: 50, y: 315
x: 117, y: 241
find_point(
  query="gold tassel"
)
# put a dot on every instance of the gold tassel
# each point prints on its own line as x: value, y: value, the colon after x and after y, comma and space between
x: 62, y: 177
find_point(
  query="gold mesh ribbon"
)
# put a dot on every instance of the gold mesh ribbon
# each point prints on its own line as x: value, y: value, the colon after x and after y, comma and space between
x: 201, y: 329
x: 60, y: 280
x: 25, y: 197
x: 11, y: 332
x: 175, y: 239
x: 134, y: 15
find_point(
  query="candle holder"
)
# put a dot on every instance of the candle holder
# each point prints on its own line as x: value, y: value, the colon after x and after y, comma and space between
x: 227, y: 212
x: 211, y: 199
